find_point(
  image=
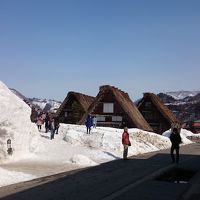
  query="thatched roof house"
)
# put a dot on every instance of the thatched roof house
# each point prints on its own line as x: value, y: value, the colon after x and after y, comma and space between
x: 156, y: 113
x: 114, y: 108
x: 73, y: 107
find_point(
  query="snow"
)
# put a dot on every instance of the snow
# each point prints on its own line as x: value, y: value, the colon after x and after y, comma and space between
x: 11, y: 177
x: 182, y: 94
x: 53, y: 105
x: 185, y: 134
x: 15, y: 124
x: 35, y: 155
x: 42, y: 103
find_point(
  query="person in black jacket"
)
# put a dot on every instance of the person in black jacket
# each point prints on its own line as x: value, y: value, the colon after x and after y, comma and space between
x: 175, y: 139
x: 47, y: 123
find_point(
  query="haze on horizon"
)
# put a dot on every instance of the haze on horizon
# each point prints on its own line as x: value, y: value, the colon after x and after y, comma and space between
x: 51, y: 47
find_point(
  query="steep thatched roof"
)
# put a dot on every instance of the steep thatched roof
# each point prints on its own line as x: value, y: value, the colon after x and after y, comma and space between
x: 126, y: 104
x: 163, y: 109
x: 84, y: 100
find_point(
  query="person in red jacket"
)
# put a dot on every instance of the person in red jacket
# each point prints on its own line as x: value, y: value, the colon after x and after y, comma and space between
x: 126, y: 142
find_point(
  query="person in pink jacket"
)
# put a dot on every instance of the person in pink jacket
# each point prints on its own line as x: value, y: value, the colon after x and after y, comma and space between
x: 39, y: 122
x: 126, y: 142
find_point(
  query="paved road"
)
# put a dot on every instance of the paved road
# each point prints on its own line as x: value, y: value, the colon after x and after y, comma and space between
x: 132, y: 179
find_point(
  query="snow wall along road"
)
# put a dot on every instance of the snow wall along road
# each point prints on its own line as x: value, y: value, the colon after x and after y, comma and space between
x: 15, y: 125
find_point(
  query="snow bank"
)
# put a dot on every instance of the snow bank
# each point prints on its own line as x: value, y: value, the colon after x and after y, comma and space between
x: 82, y: 160
x: 11, y: 177
x: 108, y: 140
x: 143, y: 141
x: 184, y: 135
x: 15, y: 124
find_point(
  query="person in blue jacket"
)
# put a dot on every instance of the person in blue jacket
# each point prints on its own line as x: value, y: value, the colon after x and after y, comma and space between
x: 89, y: 123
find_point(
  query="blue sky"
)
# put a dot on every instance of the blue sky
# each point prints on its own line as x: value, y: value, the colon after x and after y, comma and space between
x: 50, y: 47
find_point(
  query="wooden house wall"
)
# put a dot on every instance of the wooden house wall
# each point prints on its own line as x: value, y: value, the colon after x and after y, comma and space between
x: 153, y: 116
x: 108, y: 97
x: 72, y: 112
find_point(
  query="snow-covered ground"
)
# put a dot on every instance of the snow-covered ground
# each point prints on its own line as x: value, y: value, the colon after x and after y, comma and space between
x: 35, y: 155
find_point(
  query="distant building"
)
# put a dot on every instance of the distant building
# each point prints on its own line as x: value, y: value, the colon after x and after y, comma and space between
x: 73, y: 107
x: 159, y: 117
x: 193, y: 126
x: 196, y: 126
x: 114, y: 108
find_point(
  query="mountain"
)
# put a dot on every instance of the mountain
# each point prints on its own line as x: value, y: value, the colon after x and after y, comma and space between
x: 21, y: 96
x: 178, y: 95
x: 185, y: 104
x: 167, y: 98
x: 44, y: 104
x: 192, y: 98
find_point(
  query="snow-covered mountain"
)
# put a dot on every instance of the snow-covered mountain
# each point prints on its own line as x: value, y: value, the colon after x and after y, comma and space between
x: 46, y: 104
x: 184, y: 104
x: 184, y: 97
x: 178, y: 95
x: 43, y: 104
x: 20, y: 95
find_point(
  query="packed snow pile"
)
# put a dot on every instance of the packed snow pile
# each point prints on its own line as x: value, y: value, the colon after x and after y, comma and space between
x: 15, y: 125
x: 144, y: 141
x: 109, y: 140
x: 82, y: 160
x: 187, y: 137
x: 13, y: 177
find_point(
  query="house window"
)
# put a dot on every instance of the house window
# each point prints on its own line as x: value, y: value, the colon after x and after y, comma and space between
x: 117, y: 118
x: 108, y: 107
x: 101, y: 118
x: 66, y: 114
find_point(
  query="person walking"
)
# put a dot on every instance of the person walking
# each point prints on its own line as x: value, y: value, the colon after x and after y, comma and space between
x: 89, y: 123
x: 47, y: 122
x: 34, y: 115
x: 57, y: 125
x: 52, y: 128
x: 126, y: 142
x: 94, y: 120
x: 175, y: 139
x: 39, y: 122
